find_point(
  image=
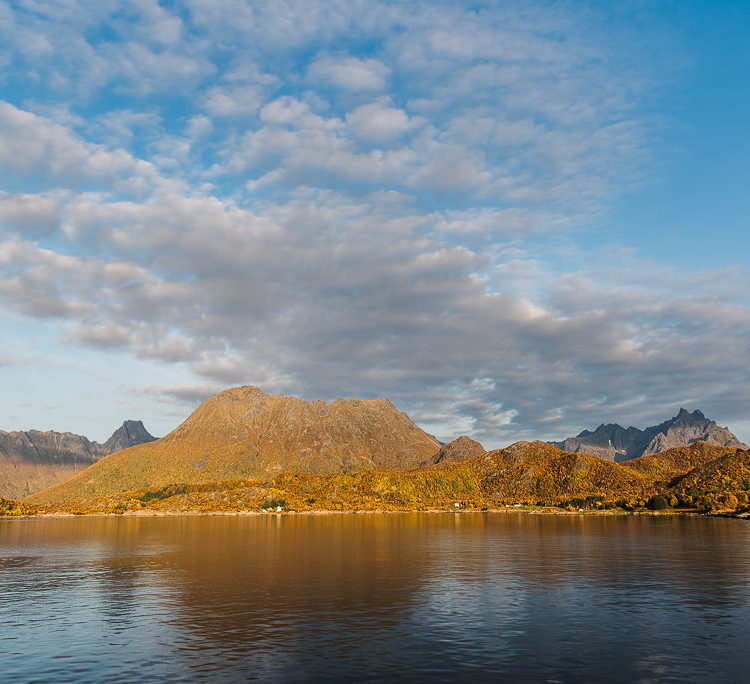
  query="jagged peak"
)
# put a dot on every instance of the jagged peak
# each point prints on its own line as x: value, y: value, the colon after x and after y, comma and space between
x: 130, y: 433
x: 132, y: 424
x: 686, y: 416
x: 633, y: 442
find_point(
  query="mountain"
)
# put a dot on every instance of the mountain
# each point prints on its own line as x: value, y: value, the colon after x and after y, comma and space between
x: 616, y: 443
x: 244, y: 433
x: 541, y: 472
x: 130, y: 433
x: 460, y: 449
x: 31, y: 461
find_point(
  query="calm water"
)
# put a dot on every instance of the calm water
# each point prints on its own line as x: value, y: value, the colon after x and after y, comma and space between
x: 460, y: 597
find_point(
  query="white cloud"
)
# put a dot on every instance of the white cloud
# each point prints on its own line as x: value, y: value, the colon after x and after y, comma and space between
x: 35, y: 146
x: 378, y: 122
x: 349, y: 73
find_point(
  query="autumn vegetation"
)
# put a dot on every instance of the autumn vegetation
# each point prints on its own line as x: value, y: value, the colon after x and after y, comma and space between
x: 697, y: 478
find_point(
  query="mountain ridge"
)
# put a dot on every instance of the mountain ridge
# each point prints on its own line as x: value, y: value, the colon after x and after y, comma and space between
x: 615, y: 443
x: 32, y: 460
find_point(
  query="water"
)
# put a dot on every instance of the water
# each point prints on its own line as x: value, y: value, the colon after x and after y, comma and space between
x: 373, y: 597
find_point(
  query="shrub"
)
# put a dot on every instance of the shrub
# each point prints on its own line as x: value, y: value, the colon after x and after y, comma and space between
x: 274, y: 503
x: 657, y: 503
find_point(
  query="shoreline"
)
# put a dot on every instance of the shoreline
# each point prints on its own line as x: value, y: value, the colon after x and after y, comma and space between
x: 142, y: 513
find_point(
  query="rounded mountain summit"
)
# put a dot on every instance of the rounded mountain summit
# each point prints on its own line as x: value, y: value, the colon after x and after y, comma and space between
x: 245, y: 433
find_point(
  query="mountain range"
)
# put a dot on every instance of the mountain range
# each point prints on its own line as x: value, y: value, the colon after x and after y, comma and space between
x: 245, y: 449
x: 33, y: 460
x: 616, y: 443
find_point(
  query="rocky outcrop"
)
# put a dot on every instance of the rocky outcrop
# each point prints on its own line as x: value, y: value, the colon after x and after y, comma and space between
x: 130, y: 433
x: 460, y: 449
x: 616, y: 443
x: 33, y: 460
x: 245, y: 433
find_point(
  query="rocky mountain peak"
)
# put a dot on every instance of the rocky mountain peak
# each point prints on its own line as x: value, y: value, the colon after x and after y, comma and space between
x: 460, y: 449
x: 130, y: 433
x: 615, y: 443
x: 32, y: 460
x: 685, y: 417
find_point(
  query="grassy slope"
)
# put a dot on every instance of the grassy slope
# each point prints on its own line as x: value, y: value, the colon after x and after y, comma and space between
x: 19, y: 477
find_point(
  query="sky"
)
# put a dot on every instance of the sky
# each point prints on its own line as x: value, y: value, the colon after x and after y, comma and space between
x: 515, y: 220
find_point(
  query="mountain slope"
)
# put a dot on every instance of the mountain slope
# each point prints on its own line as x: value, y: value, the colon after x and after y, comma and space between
x: 32, y: 460
x: 460, y: 449
x: 730, y: 473
x: 244, y: 432
x: 678, y: 461
x: 537, y: 471
x: 616, y: 443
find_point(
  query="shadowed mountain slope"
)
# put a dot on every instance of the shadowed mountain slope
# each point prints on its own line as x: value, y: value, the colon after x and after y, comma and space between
x: 244, y: 432
x: 32, y: 460
x: 616, y: 443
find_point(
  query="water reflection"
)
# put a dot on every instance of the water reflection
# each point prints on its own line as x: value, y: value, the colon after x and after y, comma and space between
x: 352, y: 597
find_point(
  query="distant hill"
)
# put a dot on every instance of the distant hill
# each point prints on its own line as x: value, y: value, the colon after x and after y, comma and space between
x: 541, y: 472
x: 728, y: 473
x: 244, y: 432
x: 678, y: 461
x: 460, y: 449
x: 616, y: 443
x: 32, y: 460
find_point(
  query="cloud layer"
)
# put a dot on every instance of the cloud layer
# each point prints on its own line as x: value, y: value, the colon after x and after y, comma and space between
x: 354, y: 199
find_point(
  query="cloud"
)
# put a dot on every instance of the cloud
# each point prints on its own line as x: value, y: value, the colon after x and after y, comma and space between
x: 33, y: 146
x: 378, y: 122
x: 349, y: 73
x: 388, y: 312
x: 190, y: 395
x: 33, y: 215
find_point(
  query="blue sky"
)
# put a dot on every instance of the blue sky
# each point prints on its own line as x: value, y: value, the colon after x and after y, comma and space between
x: 514, y: 219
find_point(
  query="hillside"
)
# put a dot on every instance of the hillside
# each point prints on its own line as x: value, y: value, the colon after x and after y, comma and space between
x: 33, y: 460
x: 540, y: 472
x: 720, y: 485
x: 616, y: 443
x: 526, y: 472
x: 245, y: 433
x: 533, y: 473
x: 678, y: 460
x: 462, y: 448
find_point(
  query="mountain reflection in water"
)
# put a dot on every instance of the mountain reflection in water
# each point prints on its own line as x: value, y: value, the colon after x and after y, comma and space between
x: 481, y: 597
